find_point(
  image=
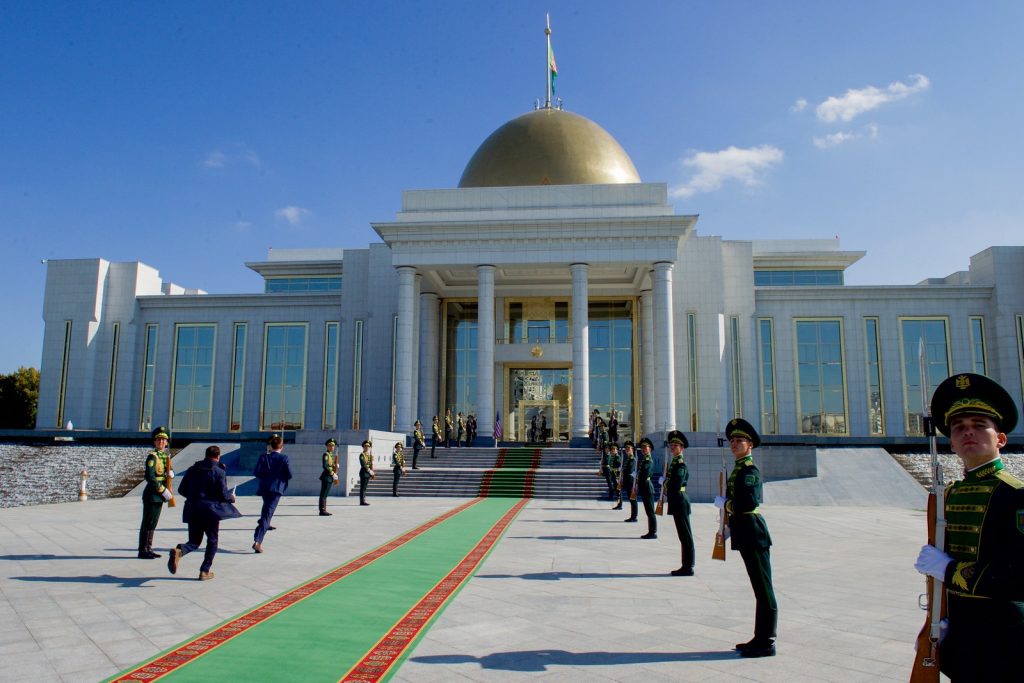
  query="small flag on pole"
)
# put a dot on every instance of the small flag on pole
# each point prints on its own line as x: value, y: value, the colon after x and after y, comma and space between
x: 497, y: 426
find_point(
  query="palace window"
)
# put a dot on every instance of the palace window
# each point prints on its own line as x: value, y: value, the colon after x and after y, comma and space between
x: 821, y: 378
x: 330, y: 416
x: 236, y: 400
x: 979, y: 359
x: 927, y: 337
x: 148, y: 380
x: 876, y: 396
x: 192, y: 386
x: 284, y: 377
x: 766, y: 346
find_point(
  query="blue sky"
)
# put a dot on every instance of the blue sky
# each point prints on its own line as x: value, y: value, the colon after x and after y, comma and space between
x: 193, y: 136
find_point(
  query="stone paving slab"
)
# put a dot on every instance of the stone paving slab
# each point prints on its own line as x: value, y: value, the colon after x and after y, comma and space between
x: 570, y: 594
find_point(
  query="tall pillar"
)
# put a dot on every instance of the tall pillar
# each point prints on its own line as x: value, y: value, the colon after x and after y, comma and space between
x: 403, y: 349
x: 414, y: 390
x: 647, y: 363
x: 580, y: 352
x: 664, y: 348
x: 485, y: 351
x: 430, y: 352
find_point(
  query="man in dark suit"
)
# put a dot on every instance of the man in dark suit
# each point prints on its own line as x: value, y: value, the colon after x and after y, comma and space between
x: 274, y: 471
x: 207, y: 502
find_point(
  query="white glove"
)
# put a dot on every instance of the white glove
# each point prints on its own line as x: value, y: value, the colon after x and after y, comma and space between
x: 170, y: 474
x: 720, y: 502
x: 166, y: 494
x: 933, y: 562
x: 335, y: 477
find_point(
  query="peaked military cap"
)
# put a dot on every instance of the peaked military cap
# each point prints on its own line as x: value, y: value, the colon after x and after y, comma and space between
x: 971, y: 394
x: 161, y: 433
x: 330, y: 441
x: 367, y: 443
x: 628, y: 443
x: 275, y: 435
x: 647, y: 441
x: 676, y: 435
x: 740, y: 427
x: 398, y: 446
x: 416, y: 423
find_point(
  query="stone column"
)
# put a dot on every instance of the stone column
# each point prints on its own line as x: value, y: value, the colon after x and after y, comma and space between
x: 664, y: 348
x: 417, y: 340
x: 647, y: 363
x: 430, y: 351
x: 580, y: 352
x: 485, y: 351
x: 404, y: 349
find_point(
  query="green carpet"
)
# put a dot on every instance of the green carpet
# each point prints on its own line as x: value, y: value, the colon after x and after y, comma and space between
x: 324, y: 635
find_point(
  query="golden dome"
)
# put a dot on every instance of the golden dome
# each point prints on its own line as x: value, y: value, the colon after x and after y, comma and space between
x: 549, y: 147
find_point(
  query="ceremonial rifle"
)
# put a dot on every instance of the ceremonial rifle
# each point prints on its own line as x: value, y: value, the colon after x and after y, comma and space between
x: 168, y: 480
x: 926, y: 659
x: 660, y: 507
x: 718, y: 551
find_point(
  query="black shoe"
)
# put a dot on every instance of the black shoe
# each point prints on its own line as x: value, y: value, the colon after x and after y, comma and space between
x: 364, y: 503
x: 271, y: 528
x: 631, y: 519
x: 682, y: 571
x: 759, y: 651
x: 325, y: 513
x: 753, y: 643
x: 650, y: 535
x: 617, y: 507
x: 414, y: 467
x: 257, y: 547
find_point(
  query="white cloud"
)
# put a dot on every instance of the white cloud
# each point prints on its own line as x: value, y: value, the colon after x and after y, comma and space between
x: 292, y: 214
x: 833, y: 140
x: 215, y: 159
x: 713, y: 169
x: 799, y: 105
x: 855, y: 102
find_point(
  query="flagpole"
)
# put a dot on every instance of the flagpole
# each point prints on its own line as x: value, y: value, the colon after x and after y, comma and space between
x: 547, y: 63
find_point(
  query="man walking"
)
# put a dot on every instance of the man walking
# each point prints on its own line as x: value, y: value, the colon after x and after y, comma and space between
x: 273, y: 471
x: 207, y: 502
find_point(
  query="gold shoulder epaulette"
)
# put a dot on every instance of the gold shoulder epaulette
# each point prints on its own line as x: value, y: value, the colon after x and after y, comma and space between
x: 1009, y: 479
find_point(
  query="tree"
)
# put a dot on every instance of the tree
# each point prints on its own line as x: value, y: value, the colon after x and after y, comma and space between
x: 19, y: 399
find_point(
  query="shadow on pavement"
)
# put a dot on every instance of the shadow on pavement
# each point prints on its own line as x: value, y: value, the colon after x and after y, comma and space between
x: 540, y: 660
x: 558, y: 576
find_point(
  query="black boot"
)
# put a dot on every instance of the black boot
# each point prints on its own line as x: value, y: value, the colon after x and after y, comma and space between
x: 146, y: 546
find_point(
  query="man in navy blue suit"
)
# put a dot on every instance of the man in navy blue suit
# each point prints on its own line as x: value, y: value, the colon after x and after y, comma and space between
x: 273, y: 470
x: 207, y: 502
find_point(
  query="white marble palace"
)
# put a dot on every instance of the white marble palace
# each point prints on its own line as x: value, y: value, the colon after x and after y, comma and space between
x: 552, y: 281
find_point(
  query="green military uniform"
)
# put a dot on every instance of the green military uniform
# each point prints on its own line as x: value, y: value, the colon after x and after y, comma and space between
x: 679, y: 504
x: 461, y: 426
x: 629, y: 478
x: 435, y: 436
x: 328, y: 476
x: 751, y: 538
x: 614, y: 465
x: 397, y: 467
x: 418, y: 443
x: 448, y: 424
x: 155, y: 494
x: 645, y: 489
x: 984, y: 582
x: 365, y: 471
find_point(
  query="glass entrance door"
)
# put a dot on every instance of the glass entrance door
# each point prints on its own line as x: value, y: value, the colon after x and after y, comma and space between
x: 541, y: 394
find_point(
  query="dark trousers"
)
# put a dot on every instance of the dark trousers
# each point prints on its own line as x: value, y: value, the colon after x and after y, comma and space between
x: 652, y: 520
x: 325, y: 488
x: 270, y: 501
x: 394, y: 482
x: 685, y: 533
x: 609, y: 479
x: 759, y: 570
x: 196, y: 530
x: 433, y: 445
x: 150, y: 515
x: 458, y: 439
x: 416, y: 448
x: 632, y: 508
x: 447, y: 438
x: 364, y: 479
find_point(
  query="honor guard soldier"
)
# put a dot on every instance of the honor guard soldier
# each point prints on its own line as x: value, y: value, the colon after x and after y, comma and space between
x: 328, y: 475
x: 397, y: 466
x: 157, y: 492
x: 750, y: 535
x: 365, y: 470
x: 982, y: 565
x: 448, y: 425
x: 678, y: 501
x: 435, y: 436
x: 614, y: 467
x: 644, y: 487
x: 628, y: 478
x: 418, y: 443
x: 606, y: 471
x: 460, y: 424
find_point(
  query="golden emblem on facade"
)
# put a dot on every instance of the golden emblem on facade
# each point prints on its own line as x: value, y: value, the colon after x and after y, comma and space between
x: 537, y: 351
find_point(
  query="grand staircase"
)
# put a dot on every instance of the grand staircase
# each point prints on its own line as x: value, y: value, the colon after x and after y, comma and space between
x: 550, y: 472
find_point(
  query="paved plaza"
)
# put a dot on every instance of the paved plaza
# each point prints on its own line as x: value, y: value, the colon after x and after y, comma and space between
x: 570, y: 594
